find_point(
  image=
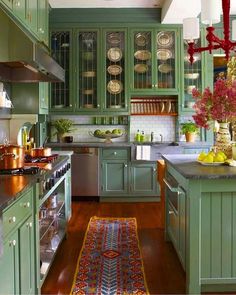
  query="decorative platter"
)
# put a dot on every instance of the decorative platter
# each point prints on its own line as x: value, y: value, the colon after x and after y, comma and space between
x: 141, y: 68
x: 142, y: 55
x: 164, y: 68
x: 113, y: 38
x: 114, y: 54
x: 107, y: 137
x: 141, y: 39
x: 114, y: 70
x: 210, y: 164
x: 114, y: 87
x: 164, y: 54
x: 164, y: 39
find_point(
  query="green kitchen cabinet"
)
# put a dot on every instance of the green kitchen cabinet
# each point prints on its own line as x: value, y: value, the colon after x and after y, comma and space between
x: 36, y: 94
x: 61, y: 94
x: 9, y: 263
x: 32, y: 15
x: 122, y: 179
x: 144, y: 179
x: 88, y: 71
x: 114, y: 57
x: 154, y: 62
x: 43, y: 20
x: 19, y: 9
x: 18, y: 260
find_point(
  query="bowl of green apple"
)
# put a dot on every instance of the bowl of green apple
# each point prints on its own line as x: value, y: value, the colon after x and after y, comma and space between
x: 108, y: 135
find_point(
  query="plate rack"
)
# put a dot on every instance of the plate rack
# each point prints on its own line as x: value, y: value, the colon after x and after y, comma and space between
x: 154, y: 106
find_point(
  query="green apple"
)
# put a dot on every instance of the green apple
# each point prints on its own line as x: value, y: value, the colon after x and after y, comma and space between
x: 97, y: 132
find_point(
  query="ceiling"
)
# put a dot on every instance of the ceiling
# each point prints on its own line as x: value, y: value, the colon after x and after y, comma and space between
x: 173, y: 11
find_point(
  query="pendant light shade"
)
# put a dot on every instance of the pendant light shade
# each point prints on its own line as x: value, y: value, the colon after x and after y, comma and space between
x: 191, y: 28
x: 210, y: 11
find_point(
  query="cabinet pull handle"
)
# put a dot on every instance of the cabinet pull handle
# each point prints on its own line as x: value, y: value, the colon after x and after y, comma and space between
x: 12, y: 243
x: 29, y: 224
x: 154, y: 169
x: 115, y: 153
x: 125, y: 165
x: 171, y: 188
x: 26, y: 205
x: 171, y: 212
x: 98, y: 105
x: 12, y: 219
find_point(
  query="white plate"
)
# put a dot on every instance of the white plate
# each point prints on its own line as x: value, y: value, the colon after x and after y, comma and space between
x: 164, y: 39
x: 164, y: 54
x: 210, y: 164
x: 114, y: 87
x: 164, y: 68
x: 142, y: 54
x: 141, y: 68
x: 191, y: 76
x: 114, y: 54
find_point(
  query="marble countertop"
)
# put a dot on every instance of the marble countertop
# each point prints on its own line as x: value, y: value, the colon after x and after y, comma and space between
x: 188, y: 166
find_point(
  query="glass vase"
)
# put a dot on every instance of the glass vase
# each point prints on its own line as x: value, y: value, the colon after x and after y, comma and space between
x: 223, y: 139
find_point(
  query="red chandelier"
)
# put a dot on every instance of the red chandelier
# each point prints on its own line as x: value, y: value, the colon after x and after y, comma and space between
x: 210, y: 14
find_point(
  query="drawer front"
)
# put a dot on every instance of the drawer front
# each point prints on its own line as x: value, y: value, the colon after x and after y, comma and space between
x: 14, y: 214
x: 113, y: 154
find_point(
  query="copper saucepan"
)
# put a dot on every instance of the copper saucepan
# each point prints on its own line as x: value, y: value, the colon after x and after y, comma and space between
x: 41, y: 152
x: 11, y: 156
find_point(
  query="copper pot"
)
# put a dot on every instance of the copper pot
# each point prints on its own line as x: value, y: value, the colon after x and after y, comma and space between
x: 12, y: 156
x: 41, y: 152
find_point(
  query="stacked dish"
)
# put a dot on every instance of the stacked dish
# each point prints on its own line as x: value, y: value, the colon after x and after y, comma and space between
x: 114, y: 54
x: 114, y: 70
x: 164, y: 68
x: 114, y: 87
x: 141, y: 68
x: 142, y: 55
x: 164, y: 39
x: 140, y: 39
x: 191, y: 75
x: 113, y: 38
x: 164, y: 54
x: 89, y: 74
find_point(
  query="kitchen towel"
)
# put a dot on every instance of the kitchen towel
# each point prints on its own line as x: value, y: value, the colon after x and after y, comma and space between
x: 143, y: 152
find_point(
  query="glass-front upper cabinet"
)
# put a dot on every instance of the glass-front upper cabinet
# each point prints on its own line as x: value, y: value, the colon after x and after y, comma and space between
x: 115, y: 71
x: 192, y: 77
x: 60, y: 98
x: 154, y: 61
x: 87, y: 73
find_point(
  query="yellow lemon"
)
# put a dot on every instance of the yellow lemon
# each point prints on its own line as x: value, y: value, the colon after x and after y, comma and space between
x: 219, y: 158
x: 208, y: 159
x: 201, y: 156
x: 222, y: 154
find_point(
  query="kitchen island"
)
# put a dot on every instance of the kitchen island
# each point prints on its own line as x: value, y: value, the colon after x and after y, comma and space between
x: 201, y: 222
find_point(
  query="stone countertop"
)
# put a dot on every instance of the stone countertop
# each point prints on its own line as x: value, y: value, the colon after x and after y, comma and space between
x: 188, y: 166
x: 12, y: 186
x: 89, y: 144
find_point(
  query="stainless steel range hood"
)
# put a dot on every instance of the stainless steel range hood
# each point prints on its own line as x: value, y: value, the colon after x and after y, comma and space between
x: 22, y: 60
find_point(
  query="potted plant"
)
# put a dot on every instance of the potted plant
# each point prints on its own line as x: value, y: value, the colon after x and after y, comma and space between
x: 190, y: 129
x: 62, y: 127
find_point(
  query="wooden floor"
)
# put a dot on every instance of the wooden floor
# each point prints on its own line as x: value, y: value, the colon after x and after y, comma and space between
x: 163, y: 271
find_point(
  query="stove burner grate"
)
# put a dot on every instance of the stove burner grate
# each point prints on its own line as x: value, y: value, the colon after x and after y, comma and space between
x: 21, y: 171
x: 48, y: 159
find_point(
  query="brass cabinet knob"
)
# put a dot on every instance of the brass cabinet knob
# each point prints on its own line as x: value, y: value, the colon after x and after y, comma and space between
x: 12, y: 219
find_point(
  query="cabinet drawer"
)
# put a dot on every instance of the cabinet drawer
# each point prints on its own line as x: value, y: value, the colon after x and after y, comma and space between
x: 14, y: 214
x: 112, y: 154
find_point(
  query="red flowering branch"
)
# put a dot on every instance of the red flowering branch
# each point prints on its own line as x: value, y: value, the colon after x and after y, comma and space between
x: 219, y: 105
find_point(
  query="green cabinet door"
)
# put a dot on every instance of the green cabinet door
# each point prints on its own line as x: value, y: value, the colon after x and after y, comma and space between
x: 62, y: 97
x: 9, y: 263
x: 114, y: 177
x: 32, y: 14
x: 154, y: 61
x: 9, y: 3
x: 144, y: 179
x: 19, y: 9
x: 43, y: 19
x: 36, y: 95
x: 26, y: 257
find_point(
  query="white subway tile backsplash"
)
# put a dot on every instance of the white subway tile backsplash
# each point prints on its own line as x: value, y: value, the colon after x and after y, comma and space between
x: 159, y: 125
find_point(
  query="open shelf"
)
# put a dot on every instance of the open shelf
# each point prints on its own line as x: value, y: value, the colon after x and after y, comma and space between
x: 154, y: 106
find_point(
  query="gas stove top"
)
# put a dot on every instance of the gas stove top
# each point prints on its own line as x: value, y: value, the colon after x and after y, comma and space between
x: 21, y: 171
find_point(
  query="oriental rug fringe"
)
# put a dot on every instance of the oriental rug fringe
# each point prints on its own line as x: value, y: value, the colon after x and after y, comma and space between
x: 110, y: 262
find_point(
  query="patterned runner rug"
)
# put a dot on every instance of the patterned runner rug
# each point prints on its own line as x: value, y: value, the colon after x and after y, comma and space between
x: 110, y: 262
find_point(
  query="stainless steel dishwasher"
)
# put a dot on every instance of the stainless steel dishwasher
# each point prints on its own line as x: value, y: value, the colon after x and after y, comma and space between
x: 85, y: 172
